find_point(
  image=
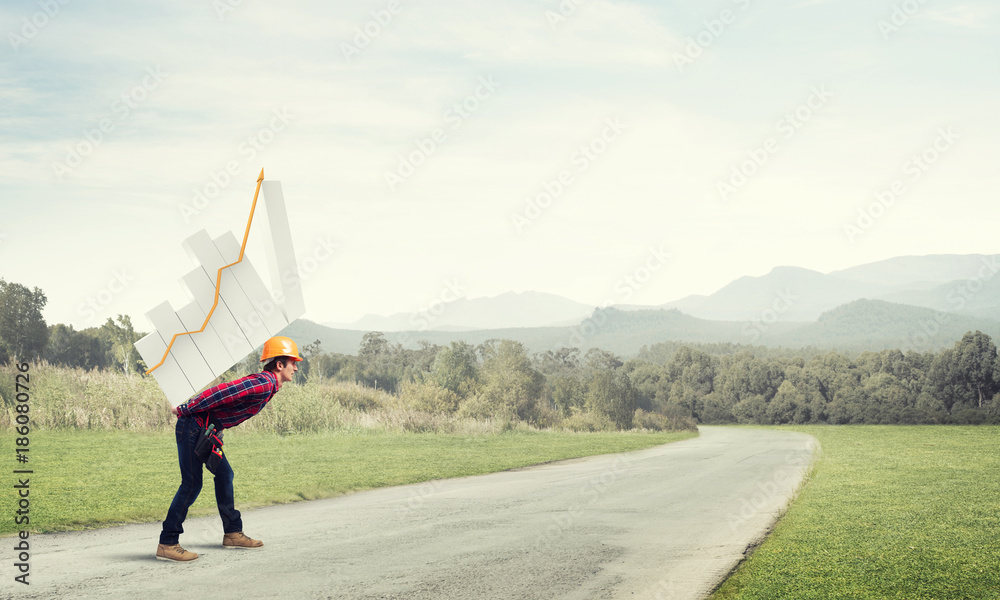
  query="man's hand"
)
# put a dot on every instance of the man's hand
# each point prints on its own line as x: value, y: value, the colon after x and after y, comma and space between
x: 173, y: 410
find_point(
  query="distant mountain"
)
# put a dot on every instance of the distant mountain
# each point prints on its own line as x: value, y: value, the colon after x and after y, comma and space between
x: 877, y: 325
x: 856, y: 326
x: 618, y: 331
x: 912, y: 270
x: 793, y: 293
x: 526, y: 309
x: 797, y: 294
x: 908, y: 302
x: 974, y: 296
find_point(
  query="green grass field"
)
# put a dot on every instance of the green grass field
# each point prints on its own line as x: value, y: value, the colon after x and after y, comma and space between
x: 92, y: 478
x: 890, y: 512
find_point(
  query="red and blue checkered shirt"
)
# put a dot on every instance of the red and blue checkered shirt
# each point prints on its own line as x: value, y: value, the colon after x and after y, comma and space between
x: 233, y: 402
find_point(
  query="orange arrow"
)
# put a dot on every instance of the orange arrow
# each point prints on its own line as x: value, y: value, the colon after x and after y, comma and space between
x: 218, y: 280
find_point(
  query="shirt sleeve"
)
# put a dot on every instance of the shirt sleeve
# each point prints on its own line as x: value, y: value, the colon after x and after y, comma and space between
x: 222, y: 394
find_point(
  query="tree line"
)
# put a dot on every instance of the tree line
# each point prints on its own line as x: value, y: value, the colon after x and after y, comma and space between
x: 24, y: 335
x: 665, y: 386
x: 712, y: 384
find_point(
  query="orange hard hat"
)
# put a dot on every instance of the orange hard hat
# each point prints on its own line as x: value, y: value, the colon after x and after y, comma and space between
x: 280, y: 345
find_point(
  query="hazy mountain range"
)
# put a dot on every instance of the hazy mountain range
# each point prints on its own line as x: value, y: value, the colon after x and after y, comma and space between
x: 526, y: 309
x: 910, y: 302
x: 952, y: 283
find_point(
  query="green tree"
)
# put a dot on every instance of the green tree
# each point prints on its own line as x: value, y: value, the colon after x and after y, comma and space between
x: 611, y: 393
x: 564, y: 361
x: 602, y: 360
x: 23, y: 333
x: 377, y: 362
x: 511, y: 385
x: 374, y: 347
x: 332, y: 365
x: 308, y: 353
x: 975, y: 369
x: 70, y: 348
x: 457, y: 369
x: 784, y: 407
x: 566, y: 392
x: 120, y: 339
x: 692, y: 376
x: 649, y: 379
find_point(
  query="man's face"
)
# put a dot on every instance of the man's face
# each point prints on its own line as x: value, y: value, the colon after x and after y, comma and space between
x: 286, y: 372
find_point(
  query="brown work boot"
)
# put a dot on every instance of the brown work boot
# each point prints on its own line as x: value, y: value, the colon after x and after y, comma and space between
x: 239, y: 540
x: 175, y: 553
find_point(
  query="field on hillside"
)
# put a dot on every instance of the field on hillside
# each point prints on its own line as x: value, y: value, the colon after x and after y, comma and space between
x: 890, y: 512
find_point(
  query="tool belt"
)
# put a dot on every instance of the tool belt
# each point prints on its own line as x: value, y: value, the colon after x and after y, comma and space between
x: 208, y: 447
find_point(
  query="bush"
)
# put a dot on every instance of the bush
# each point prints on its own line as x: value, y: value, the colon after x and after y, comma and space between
x: 650, y: 420
x: 482, y: 407
x: 679, y: 419
x: 587, y: 421
x: 676, y: 419
x: 429, y: 397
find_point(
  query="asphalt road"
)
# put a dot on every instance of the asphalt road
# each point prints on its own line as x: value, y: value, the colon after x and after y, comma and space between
x: 666, y: 523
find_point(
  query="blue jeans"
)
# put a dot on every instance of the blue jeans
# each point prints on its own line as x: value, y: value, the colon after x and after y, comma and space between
x: 191, y: 470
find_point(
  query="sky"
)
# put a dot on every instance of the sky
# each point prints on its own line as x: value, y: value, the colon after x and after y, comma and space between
x: 552, y: 146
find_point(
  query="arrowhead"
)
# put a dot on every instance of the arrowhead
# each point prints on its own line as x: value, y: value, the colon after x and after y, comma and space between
x: 261, y: 178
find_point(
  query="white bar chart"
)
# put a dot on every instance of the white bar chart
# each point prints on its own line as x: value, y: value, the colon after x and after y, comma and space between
x: 184, y: 352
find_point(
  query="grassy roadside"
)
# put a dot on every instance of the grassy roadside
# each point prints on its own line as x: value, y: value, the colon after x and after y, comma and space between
x: 93, y: 478
x: 890, y: 512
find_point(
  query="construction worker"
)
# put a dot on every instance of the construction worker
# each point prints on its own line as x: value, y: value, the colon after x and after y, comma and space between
x: 225, y: 405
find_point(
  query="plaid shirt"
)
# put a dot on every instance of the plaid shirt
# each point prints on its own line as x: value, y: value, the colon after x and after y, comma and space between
x: 233, y: 402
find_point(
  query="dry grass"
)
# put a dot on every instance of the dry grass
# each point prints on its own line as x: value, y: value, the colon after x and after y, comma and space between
x: 63, y: 398
x: 74, y: 399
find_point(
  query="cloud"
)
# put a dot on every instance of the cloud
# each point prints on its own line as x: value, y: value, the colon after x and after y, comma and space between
x: 972, y: 16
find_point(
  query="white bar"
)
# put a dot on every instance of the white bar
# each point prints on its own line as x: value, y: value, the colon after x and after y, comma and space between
x: 184, y: 350
x: 233, y: 340
x: 231, y: 293
x: 267, y: 310
x: 207, y: 341
x: 281, y: 260
x: 172, y: 381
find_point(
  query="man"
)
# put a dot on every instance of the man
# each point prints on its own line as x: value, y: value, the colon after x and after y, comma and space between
x: 226, y: 405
